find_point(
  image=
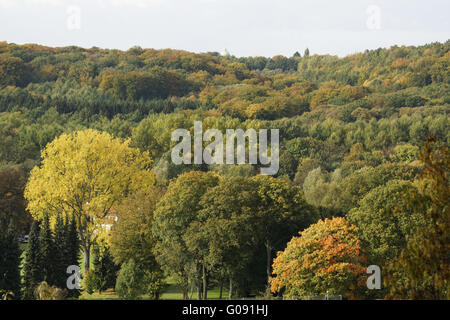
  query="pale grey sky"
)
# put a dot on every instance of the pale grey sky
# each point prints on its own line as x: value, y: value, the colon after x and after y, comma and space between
x: 244, y: 27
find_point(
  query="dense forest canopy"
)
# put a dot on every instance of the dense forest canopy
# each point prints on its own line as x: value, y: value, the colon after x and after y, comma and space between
x: 384, y: 102
x: 322, y: 104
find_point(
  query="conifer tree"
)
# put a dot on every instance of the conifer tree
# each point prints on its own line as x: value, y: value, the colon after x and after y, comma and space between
x: 72, y: 242
x: 306, y: 54
x: 72, y: 247
x: 109, y: 270
x: 48, y: 252
x: 105, y: 270
x: 9, y: 261
x: 60, y: 265
x: 32, y: 265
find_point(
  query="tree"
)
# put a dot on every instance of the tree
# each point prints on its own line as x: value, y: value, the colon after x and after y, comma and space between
x: 306, y: 54
x: 224, y: 234
x: 9, y: 260
x: 129, y: 283
x: 132, y: 236
x: 71, y: 247
x: 13, y: 71
x: 32, y: 270
x: 48, y: 253
x: 422, y: 270
x: 281, y: 212
x: 304, y: 167
x: 383, y: 229
x: 72, y: 241
x: 173, y: 215
x: 61, y: 252
x: 105, y: 270
x: 85, y: 174
x: 12, y: 202
x: 326, y: 258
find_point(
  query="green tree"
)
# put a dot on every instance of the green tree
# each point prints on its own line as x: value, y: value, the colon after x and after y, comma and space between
x: 9, y: 260
x: 130, y: 284
x: 422, y: 270
x: 61, y: 251
x: 281, y: 212
x: 383, y: 229
x: 173, y: 215
x: 32, y: 267
x: 104, y: 269
x: 224, y: 234
x: 13, y: 71
x: 71, y: 247
x: 306, y: 53
x: 12, y: 202
x: 132, y: 235
x: 48, y: 252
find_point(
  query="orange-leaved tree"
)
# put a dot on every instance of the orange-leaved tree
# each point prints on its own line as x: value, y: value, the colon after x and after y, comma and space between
x: 326, y: 258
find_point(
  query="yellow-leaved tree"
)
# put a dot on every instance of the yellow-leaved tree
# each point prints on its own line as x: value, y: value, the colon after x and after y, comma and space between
x: 86, y: 174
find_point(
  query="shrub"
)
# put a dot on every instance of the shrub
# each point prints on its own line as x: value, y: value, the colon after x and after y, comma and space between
x: 129, y: 284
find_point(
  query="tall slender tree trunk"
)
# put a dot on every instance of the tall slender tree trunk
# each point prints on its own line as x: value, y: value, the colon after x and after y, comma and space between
x: 199, y: 282
x: 230, y: 291
x: 205, y: 282
x: 87, y: 257
x: 220, y: 289
x: 191, y: 292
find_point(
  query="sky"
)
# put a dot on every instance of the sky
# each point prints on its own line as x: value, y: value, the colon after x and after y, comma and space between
x: 243, y: 27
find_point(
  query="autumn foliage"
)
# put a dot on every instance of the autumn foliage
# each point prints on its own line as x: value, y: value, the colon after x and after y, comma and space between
x: 325, y: 257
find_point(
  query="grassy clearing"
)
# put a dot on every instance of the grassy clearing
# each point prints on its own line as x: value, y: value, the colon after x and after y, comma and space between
x: 172, y: 292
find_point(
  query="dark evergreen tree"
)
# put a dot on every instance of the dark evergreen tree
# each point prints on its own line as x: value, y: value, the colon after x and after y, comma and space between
x: 9, y: 261
x: 97, y: 270
x: 48, y: 252
x: 32, y: 266
x: 71, y: 248
x: 109, y: 270
x: 72, y: 243
x: 306, y: 54
x: 105, y: 270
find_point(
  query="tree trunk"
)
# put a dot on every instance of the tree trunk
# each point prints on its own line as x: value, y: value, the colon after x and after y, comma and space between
x: 191, y: 292
x: 269, y: 260
x: 230, y: 292
x: 205, y: 283
x: 87, y: 257
x: 220, y: 289
x: 199, y: 282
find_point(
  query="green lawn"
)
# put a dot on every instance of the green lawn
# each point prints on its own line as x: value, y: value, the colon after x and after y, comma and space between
x: 172, y: 292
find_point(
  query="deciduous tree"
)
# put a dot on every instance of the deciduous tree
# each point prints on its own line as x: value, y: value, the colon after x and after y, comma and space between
x: 85, y: 174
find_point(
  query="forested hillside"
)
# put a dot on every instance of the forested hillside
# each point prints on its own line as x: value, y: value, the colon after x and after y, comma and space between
x: 352, y: 130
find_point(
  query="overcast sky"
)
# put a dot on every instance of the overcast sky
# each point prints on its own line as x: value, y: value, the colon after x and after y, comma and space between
x: 244, y: 27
